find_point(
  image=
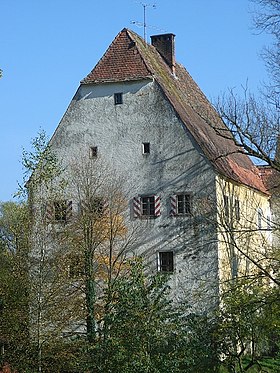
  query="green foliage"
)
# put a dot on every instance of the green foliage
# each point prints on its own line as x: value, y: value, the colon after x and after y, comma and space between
x: 40, y: 164
x: 14, y: 333
x: 249, y: 324
x: 144, y: 331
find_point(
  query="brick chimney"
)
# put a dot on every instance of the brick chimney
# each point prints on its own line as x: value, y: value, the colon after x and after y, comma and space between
x: 165, y: 45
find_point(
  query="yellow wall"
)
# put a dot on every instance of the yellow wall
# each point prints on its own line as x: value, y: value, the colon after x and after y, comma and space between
x: 243, y: 232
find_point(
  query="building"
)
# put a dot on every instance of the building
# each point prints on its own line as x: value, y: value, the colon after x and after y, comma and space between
x: 186, y: 184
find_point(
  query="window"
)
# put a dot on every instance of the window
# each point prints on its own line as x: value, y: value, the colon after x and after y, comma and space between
x: 259, y: 218
x: 268, y: 222
x: 118, y: 98
x: 93, y: 152
x: 62, y: 211
x: 226, y: 207
x: 237, y: 209
x: 97, y: 206
x: 146, y: 148
x: 165, y: 261
x: 76, y: 267
x: 146, y: 206
x: 181, y: 204
x: 93, y: 206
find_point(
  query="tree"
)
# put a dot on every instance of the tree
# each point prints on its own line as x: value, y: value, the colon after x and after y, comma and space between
x: 96, y: 235
x: 14, y: 296
x: 267, y: 19
x: 54, y: 304
x: 249, y: 316
x: 144, y: 331
x: 255, y: 122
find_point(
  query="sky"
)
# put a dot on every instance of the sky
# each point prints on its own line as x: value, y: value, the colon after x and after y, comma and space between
x: 48, y: 46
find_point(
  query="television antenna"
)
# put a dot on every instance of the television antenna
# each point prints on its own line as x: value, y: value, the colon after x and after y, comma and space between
x: 144, y: 23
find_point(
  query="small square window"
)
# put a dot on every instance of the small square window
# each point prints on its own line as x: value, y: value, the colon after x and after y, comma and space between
x: 165, y: 261
x: 93, y: 152
x: 94, y: 206
x: 118, y: 98
x: 62, y: 211
x: 146, y: 148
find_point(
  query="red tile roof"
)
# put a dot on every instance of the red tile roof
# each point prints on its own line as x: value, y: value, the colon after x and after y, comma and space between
x: 130, y: 58
x: 122, y: 61
x: 271, y: 178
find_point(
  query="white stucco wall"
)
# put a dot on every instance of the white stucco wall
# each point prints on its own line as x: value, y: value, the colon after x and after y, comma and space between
x: 175, y: 164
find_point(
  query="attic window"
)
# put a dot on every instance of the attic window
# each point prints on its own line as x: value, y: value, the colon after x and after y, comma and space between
x: 118, y: 98
x: 146, y: 148
x: 93, y: 152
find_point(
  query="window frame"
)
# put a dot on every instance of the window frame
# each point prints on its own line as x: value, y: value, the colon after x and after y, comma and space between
x: 61, y: 211
x: 93, y: 151
x: 146, y: 148
x: 181, y: 207
x: 237, y: 209
x: 260, y: 218
x: 150, y: 206
x: 185, y: 204
x: 165, y: 261
x: 118, y: 98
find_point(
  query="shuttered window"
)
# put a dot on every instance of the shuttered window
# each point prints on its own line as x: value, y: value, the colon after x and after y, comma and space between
x: 180, y: 204
x: 146, y: 206
x: 59, y: 211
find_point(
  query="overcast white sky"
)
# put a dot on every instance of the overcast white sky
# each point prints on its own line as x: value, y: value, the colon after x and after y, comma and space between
x: 48, y: 46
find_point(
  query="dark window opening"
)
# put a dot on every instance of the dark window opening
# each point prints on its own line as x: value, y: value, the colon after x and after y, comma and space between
x: 259, y: 218
x: 93, y: 152
x: 165, y: 261
x: 94, y: 206
x: 97, y: 206
x: 76, y: 267
x: 60, y: 211
x: 118, y: 98
x: 226, y: 206
x: 237, y: 209
x: 148, y: 206
x: 146, y: 147
x: 183, y: 204
x: 268, y: 222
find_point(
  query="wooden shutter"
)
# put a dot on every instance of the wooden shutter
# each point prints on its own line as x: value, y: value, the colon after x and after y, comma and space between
x: 49, y: 213
x: 68, y: 210
x: 157, y: 205
x: 173, y: 205
x: 137, y: 207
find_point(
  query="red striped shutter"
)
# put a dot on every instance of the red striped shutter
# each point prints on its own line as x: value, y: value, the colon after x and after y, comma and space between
x: 68, y: 210
x: 137, y: 207
x: 49, y: 213
x: 173, y: 205
x: 106, y: 207
x: 157, y: 205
